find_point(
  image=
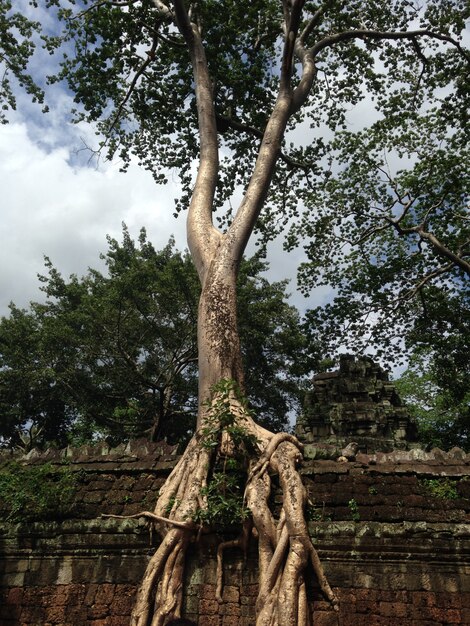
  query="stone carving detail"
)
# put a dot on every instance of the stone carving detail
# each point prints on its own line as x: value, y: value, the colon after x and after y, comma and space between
x: 356, y: 403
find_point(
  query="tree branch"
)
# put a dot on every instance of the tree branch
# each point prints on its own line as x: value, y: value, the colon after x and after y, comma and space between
x: 250, y: 207
x: 349, y: 35
x: 202, y: 235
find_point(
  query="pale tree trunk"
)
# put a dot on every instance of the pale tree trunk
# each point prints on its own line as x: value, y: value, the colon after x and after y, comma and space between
x: 218, y: 341
x: 285, y: 548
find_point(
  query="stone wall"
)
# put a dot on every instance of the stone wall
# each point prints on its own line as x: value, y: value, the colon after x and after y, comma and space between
x: 392, y: 531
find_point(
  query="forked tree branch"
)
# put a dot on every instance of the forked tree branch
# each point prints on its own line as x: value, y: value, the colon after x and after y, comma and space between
x: 250, y: 207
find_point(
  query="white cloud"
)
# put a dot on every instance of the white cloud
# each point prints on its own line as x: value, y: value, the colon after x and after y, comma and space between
x: 48, y: 207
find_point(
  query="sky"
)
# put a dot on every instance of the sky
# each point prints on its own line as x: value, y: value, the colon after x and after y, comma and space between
x: 55, y: 202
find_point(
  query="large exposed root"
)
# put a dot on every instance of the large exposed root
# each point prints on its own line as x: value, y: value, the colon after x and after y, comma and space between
x: 284, y: 545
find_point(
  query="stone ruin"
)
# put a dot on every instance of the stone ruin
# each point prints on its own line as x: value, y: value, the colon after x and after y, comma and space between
x: 356, y: 403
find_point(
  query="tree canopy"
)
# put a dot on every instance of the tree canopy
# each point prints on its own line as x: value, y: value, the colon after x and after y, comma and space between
x: 382, y: 178
x: 379, y: 175
x: 113, y: 354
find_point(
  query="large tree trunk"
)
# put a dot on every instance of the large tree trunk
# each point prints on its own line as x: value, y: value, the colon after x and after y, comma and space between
x: 219, y: 350
x: 285, y: 548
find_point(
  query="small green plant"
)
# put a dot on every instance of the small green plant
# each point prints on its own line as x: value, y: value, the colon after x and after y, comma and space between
x: 354, y: 509
x: 36, y: 492
x: 221, y: 419
x: 224, y: 491
x: 373, y: 491
x: 224, y: 497
x: 442, y: 488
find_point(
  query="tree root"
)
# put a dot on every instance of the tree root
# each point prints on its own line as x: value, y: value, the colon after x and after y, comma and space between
x: 284, y: 545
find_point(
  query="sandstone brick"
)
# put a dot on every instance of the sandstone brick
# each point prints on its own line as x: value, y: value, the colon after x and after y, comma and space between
x: 423, y: 599
x: 229, y: 608
x: 250, y: 590
x: 449, y: 600
x: 98, y: 611
x: 447, y: 616
x: 393, y: 609
x: 209, y: 620
x: 207, y: 591
x: 324, y: 618
x: 105, y: 593
x: 208, y: 607
x: 32, y: 614
x: 15, y: 596
x: 117, y: 620
x: 230, y: 620
x: 56, y: 614
x: 231, y: 594
x: 123, y: 602
x: 366, y: 606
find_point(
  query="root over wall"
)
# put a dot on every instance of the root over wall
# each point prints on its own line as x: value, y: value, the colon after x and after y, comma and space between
x: 392, y: 531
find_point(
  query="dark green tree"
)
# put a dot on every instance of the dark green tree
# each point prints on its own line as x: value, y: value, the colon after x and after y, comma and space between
x: 114, y: 354
x: 436, y: 383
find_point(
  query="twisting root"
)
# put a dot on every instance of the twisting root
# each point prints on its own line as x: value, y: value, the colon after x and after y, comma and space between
x: 282, y: 598
x: 284, y: 545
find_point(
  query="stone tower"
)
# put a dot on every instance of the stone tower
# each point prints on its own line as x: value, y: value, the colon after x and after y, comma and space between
x: 356, y: 403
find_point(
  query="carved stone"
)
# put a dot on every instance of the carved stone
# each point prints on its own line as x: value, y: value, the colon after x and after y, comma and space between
x: 356, y: 403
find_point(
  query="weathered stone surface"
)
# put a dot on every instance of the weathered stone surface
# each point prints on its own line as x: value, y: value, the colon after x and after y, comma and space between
x: 395, y: 552
x: 356, y: 404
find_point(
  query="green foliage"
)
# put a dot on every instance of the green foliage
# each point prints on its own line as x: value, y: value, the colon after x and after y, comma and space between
x: 354, y: 510
x: 221, y: 419
x: 436, y: 389
x: 441, y: 488
x: 36, y: 492
x: 114, y: 354
x: 224, y: 492
x: 378, y: 200
x: 17, y: 45
x: 224, y: 496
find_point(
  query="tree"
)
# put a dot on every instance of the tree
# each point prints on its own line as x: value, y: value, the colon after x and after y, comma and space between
x: 436, y: 382
x: 175, y: 82
x: 114, y: 354
x: 31, y: 403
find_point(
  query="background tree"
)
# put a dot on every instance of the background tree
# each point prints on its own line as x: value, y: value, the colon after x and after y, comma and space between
x: 114, y: 354
x: 180, y: 81
x: 436, y: 382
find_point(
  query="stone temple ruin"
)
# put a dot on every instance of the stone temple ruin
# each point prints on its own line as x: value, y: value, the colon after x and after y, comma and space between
x: 356, y: 403
x: 391, y: 525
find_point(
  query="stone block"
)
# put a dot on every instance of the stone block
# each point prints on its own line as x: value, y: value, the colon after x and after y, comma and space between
x: 229, y: 608
x: 98, y: 611
x: 393, y: 609
x: 208, y: 607
x: 209, y: 620
x: 14, y: 596
x: 207, y: 591
x: 231, y: 594
x: 105, y: 594
x: 324, y: 618
x: 230, y: 620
